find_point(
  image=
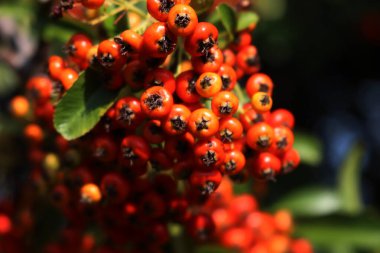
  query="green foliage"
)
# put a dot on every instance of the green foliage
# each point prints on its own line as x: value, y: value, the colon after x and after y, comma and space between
x: 349, y: 180
x: 245, y: 19
x: 227, y: 17
x: 341, y: 232
x: 311, y: 202
x: 309, y: 147
x: 83, y: 105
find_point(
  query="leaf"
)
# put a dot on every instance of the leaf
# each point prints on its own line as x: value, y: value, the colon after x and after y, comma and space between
x: 349, y: 181
x: 309, y: 147
x: 336, y: 232
x: 83, y: 105
x: 228, y: 17
x: 313, y: 201
x: 9, y: 80
x: 245, y: 19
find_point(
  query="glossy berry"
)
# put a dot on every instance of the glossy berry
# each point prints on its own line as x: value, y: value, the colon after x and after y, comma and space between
x: 68, y: 77
x: 77, y: 48
x: 283, y: 140
x: 130, y: 42
x: 159, y: 9
x: 156, y: 102
x: 209, y: 153
x: 158, y: 41
x: 248, y: 60
x: 210, y: 61
x: 261, y: 102
x: 202, y: 39
x: 228, y: 76
x: 177, y: 120
x: 230, y: 129
x: 128, y: 112
x: 233, y: 163
x: 260, y: 136
x: 259, y: 82
x: 266, y: 166
x: 290, y: 160
x: 182, y: 20
x: 208, y: 84
x: 205, y: 182
x: 281, y: 117
x: 55, y: 66
x: 203, y: 123
x: 224, y: 104
x: 109, y: 54
x: 185, y: 87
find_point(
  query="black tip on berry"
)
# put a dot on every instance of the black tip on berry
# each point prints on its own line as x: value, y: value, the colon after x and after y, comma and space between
x: 154, y: 101
x: 206, y: 82
x: 178, y: 124
x: 263, y: 142
x: 182, y: 20
x: 166, y: 45
x: 226, y: 82
x: 225, y: 108
x: 126, y: 114
x: 208, y: 188
x: 202, y: 124
x: 166, y: 5
x: 209, y: 158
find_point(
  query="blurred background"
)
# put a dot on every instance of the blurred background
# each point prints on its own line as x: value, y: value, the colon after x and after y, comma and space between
x: 324, y: 58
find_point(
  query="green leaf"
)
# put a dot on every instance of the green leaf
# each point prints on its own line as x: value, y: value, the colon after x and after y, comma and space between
x: 228, y: 17
x: 309, y: 147
x: 349, y: 181
x: 313, y: 201
x: 339, y: 232
x: 9, y: 80
x: 83, y: 105
x: 245, y: 19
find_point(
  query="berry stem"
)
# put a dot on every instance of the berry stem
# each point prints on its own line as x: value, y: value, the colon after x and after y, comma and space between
x: 241, y: 95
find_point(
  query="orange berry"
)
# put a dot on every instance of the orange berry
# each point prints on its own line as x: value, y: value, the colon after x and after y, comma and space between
x: 19, y: 106
x: 261, y: 102
x: 33, y: 132
x: 90, y: 193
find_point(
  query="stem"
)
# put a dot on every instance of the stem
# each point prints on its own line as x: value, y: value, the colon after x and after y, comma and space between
x: 142, y: 27
x: 179, y: 56
x: 122, y: 6
x: 242, y: 96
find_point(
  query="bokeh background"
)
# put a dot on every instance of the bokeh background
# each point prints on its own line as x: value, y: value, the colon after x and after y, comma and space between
x: 324, y: 58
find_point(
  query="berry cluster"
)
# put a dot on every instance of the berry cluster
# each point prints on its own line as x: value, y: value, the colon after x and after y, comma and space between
x: 162, y: 149
x: 237, y: 223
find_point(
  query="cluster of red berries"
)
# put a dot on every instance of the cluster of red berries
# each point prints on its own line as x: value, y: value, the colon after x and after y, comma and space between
x: 238, y: 224
x: 163, y: 149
